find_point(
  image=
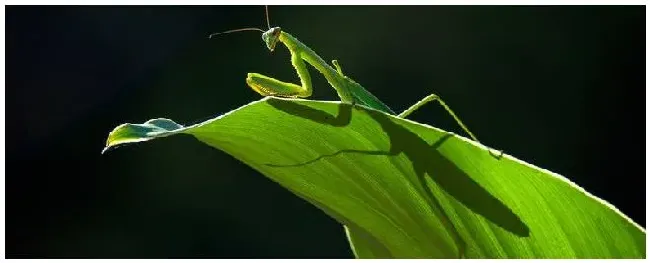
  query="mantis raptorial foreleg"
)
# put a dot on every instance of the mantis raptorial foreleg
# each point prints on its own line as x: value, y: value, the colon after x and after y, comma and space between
x: 268, y: 86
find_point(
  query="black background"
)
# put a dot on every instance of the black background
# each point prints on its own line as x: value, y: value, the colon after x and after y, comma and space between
x: 560, y: 87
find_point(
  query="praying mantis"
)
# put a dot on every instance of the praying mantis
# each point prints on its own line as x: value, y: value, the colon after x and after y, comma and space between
x: 347, y: 89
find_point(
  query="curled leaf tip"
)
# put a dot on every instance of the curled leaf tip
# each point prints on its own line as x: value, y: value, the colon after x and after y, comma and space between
x: 130, y: 133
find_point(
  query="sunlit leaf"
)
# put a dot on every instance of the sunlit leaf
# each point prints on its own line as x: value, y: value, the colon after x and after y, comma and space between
x: 408, y: 190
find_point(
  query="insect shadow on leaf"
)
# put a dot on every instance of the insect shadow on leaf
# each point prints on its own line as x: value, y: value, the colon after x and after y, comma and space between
x: 425, y: 159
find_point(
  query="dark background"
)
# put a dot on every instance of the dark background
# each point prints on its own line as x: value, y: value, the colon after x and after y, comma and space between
x: 560, y: 87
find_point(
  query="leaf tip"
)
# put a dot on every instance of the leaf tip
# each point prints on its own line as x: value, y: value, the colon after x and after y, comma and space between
x: 130, y: 133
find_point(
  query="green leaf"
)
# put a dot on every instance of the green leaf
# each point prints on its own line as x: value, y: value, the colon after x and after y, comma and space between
x: 408, y: 190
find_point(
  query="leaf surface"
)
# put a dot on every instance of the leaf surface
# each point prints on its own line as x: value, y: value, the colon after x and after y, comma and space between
x: 409, y: 190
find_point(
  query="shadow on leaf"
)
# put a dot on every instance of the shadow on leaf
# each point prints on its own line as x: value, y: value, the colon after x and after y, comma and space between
x: 425, y: 160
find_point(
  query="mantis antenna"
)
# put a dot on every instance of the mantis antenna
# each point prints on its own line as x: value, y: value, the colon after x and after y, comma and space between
x: 268, y: 23
x: 236, y: 30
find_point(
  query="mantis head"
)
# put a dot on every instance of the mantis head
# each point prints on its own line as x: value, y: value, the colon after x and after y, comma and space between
x: 271, y: 37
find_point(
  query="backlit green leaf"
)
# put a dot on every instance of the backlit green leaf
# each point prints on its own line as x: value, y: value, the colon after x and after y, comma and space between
x: 408, y: 190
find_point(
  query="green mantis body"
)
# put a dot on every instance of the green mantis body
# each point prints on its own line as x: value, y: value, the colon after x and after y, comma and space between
x: 348, y: 90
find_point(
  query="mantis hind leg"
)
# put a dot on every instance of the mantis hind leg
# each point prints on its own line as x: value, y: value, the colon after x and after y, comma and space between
x: 267, y: 86
x: 434, y: 97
